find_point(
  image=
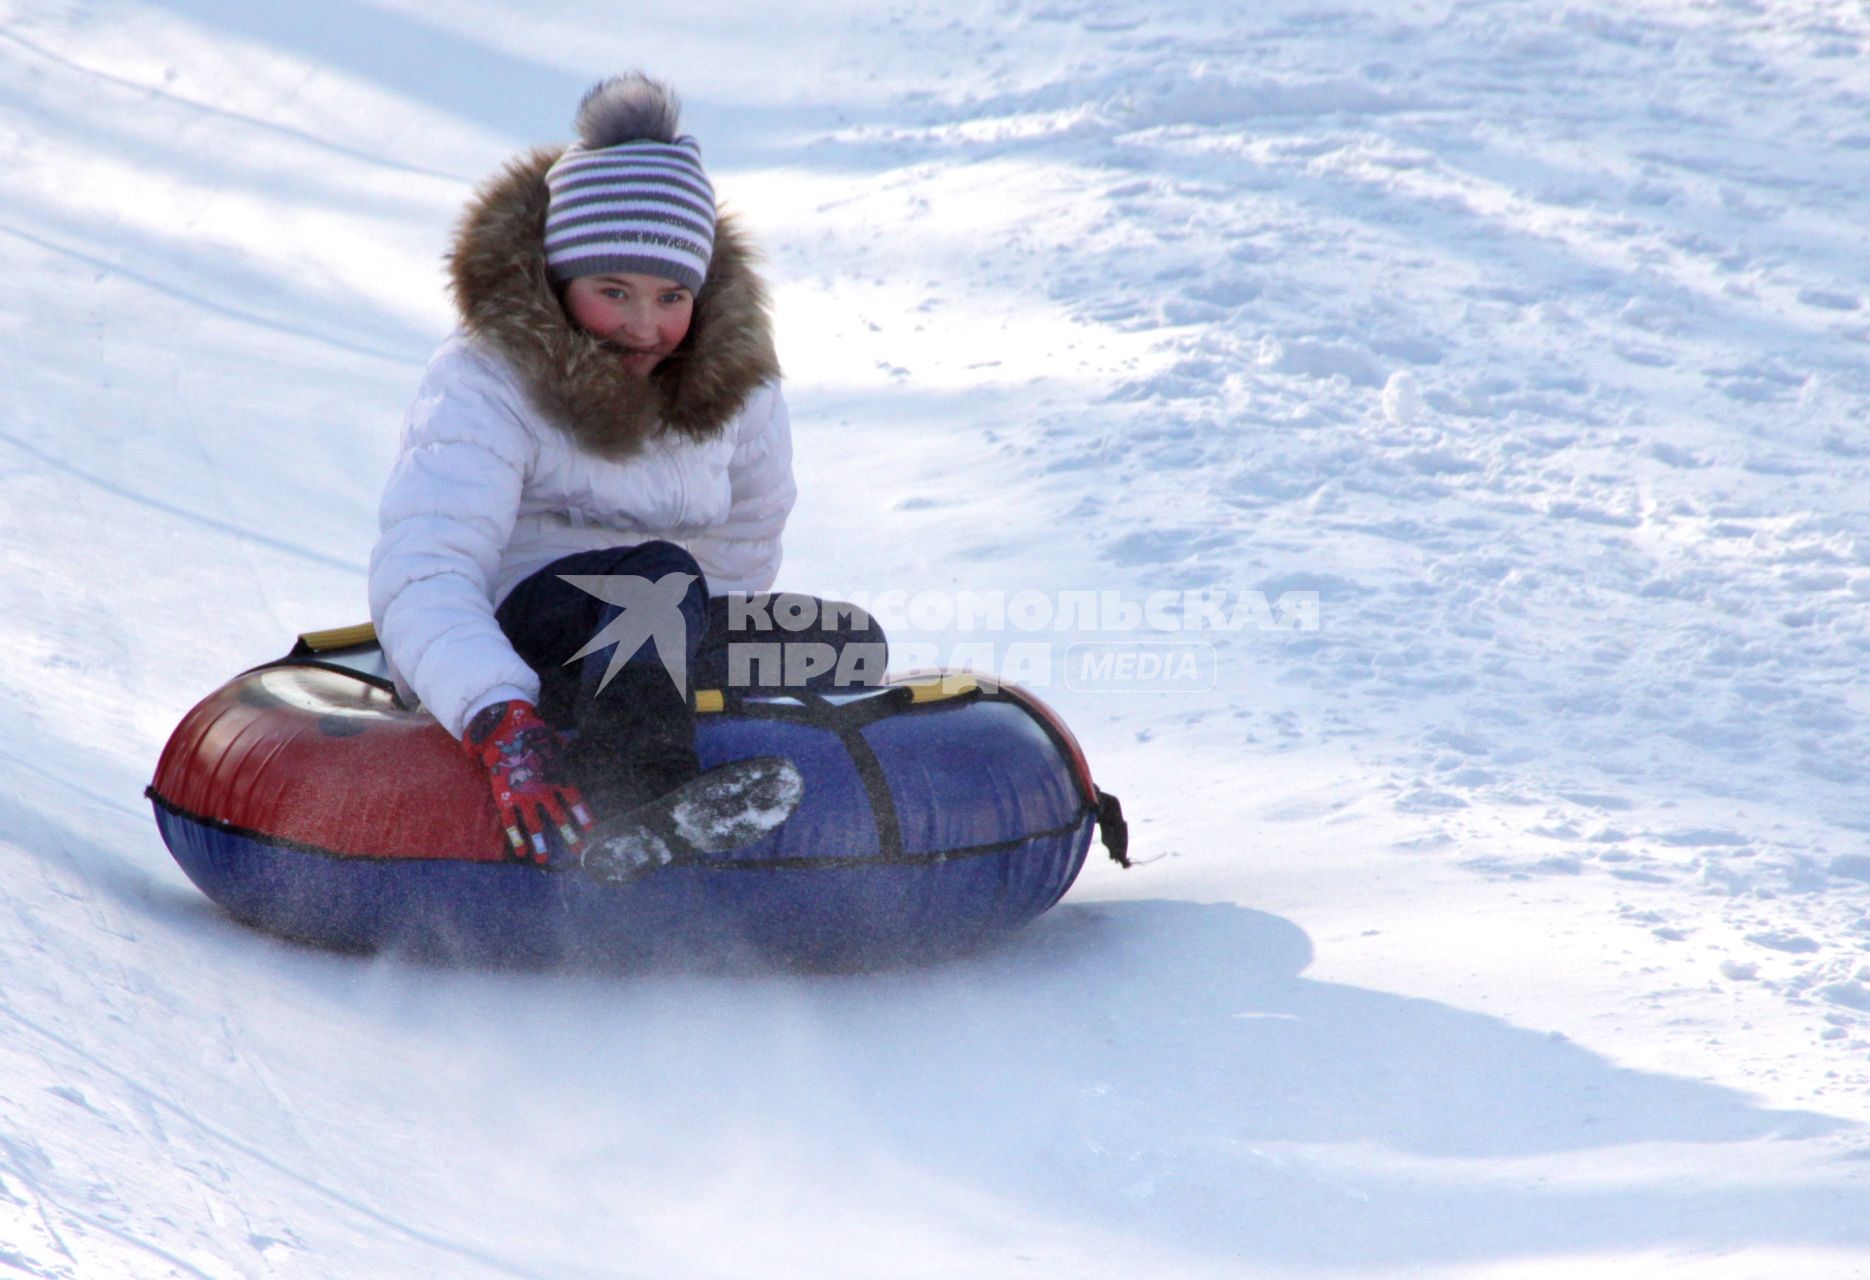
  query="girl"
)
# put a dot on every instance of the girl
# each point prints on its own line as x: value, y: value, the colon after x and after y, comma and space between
x: 594, y: 460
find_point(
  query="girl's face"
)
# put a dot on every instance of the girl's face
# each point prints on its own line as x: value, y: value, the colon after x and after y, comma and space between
x: 644, y: 317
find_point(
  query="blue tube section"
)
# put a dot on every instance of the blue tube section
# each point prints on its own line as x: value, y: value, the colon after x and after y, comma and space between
x: 505, y: 913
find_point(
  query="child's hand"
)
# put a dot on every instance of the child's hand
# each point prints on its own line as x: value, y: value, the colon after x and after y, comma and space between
x: 524, y: 759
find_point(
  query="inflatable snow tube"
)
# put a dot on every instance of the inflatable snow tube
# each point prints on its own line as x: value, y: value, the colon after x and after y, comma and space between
x: 940, y: 812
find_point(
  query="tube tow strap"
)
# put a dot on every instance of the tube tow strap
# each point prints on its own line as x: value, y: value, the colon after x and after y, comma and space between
x: 1112, y: 829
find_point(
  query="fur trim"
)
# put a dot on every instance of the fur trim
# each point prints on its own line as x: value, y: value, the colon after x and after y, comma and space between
x: 498, y: 274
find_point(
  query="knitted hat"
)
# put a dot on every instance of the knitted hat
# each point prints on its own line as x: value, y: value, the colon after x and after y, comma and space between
x: 630, y: 195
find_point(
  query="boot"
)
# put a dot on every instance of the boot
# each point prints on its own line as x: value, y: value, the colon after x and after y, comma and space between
x: 721, y: 812
x: 636, y: 741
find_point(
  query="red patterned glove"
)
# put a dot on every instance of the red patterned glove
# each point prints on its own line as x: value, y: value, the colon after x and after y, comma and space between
x: 525, y: 762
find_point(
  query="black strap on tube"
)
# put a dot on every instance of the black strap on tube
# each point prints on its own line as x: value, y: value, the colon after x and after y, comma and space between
x: 1112, y: 829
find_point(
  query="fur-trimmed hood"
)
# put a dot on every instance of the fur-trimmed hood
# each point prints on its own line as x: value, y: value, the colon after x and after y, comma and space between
x: 505, y: 299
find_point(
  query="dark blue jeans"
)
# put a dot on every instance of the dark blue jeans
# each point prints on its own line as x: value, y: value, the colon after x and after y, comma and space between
x: 633, y: 720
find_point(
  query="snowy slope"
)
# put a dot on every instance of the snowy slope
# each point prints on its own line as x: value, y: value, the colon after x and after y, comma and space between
x: 1513, y: 921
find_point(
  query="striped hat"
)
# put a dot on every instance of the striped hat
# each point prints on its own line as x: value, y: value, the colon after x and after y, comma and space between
x: 631, y: 196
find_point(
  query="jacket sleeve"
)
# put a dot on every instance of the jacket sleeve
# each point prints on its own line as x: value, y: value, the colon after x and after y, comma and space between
x: 443, y: 525
x: 743, y: 552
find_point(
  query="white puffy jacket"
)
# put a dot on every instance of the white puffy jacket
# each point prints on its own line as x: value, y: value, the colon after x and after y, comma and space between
x: 485, y: 492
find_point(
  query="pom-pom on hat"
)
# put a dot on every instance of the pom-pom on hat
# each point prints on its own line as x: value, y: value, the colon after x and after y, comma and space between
x: 630, y: 195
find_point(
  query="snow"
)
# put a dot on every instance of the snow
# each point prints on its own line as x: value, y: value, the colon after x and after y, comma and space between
x: 1513, y: 921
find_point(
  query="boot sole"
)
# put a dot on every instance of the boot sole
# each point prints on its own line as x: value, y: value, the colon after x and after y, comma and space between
x: 723, y: 810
